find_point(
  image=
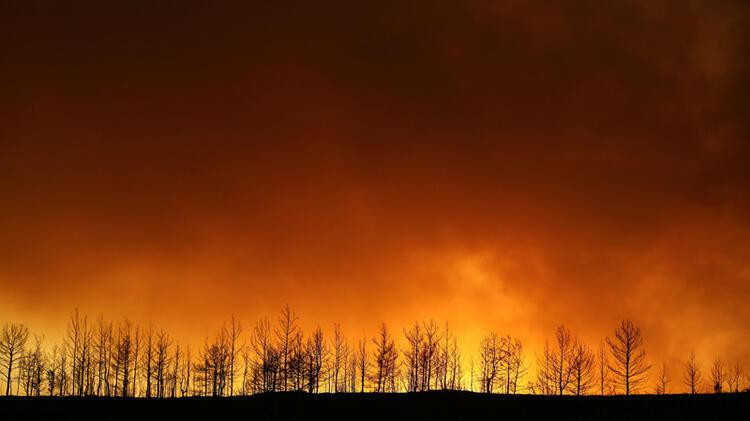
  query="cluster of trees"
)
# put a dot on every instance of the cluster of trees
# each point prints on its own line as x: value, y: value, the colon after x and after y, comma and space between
x: 570, y: 366
x: 102, y: 358
x: 501, y: 364
x: 721, y: 375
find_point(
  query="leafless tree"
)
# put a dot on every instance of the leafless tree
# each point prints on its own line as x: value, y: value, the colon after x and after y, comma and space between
x: 412, y: 356
x: 54, y: 374
x: 734, y: 377
x: 693, y: 377
x: 582, y: 365
x: 102, y: 349
x: 546, y: 374
x: 163, y: 344
x: 490, y: 356
x: 78, y: 346
x: 353, y: 370
x: 12, y: 344
x: 662, y: 381
x: 149, y: 357
x: 718, y: 376
x: 363, y: 365
x: 185, y: 371
x: 385, y: 358
x: 265, y: 373
x: 429, y: 351
x: 629, y: 367
x: 31, y: 368
x: 285, y: 331
x: 561, y: 359
x: 339, y: 357
x: 298, y: 363
x: 235, y: 330
x: 453, y: 366
x: 123, y: 355
x: 511, y: 365
x: 471, y: 374
x: 317, y: 352
x: 603, y: 366
x: 137, y: 341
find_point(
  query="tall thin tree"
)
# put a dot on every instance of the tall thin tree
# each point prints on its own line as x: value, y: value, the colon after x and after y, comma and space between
x: 629, y: 366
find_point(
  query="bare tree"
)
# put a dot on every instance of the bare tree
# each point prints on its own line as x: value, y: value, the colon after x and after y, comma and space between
x: 471, y: 374
x: 363, y: 366
x: 629, y: 366
x: 12, y: 344
x: 235, y: 330
x: 149, y: 357
x: 545, y: 375
x: 490, y: 356
x: 184, y: 383
x: 31, y: 368
x: 511, y: 366
x: 78, y: 346
x: 102, y: 348
x: 265, y: 373
x: 124, y: 351
x: 317, y: 352
x: 287, y: 327
x: 412, y: 356
x: 603, y: 366
x: 454, y: 366
x: 718, y: 376
x: 662, y: 381
x: 734, y: 377
x: 385, y: 359
x: 429, y: 351
x: 52, y: 373
x: 137, y: 341
x: 339, y: 357
x: 582, y: 364
x: 298, y: 363
x: 693, y: 377
x: 163, y: 344
x: 561, y: 359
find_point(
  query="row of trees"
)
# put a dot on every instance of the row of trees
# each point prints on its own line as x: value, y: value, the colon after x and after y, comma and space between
x: 121, y: 359
x: 720, y: 375
x: 570, y: 366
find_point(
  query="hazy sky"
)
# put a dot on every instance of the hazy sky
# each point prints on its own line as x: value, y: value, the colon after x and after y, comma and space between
x: 507, y: 166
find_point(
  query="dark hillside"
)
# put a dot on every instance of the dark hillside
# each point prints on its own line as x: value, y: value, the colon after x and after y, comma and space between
x: 420, y: 406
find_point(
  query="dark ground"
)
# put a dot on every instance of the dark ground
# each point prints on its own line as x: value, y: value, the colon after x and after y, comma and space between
x: 411, y: 406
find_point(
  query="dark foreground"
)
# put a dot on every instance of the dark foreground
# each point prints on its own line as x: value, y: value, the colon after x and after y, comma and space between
x: 412, y: 406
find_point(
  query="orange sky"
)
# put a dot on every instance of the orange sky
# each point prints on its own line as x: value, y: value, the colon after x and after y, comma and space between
x: 506, y: 167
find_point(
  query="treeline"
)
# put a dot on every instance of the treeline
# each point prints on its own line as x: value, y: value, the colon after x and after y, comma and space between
x: 102, y: 358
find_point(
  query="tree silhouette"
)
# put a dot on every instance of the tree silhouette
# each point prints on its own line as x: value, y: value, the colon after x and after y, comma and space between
x: 235, y: 330
x: 718, y: 376
x: 412, y: 353
x: 734, y: 377
x: 285, y: 331
x: 545, y: 375
x: 603, y: 367
x: 363, y: 365
x: 582, y: 365
x: 490, y: 356
x: 12, y: 344
x: 561, y: 359
x: 385, y: 358
x: 629, y: 366
x: 662, y: 381
x: 121, y: 359
x: 693, y: 376
x: 339, y: 358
